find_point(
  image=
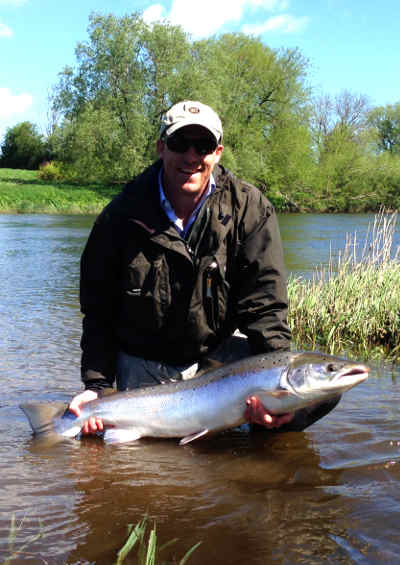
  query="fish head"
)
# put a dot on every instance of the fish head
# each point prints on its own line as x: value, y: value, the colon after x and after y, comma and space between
x: 320, y: 375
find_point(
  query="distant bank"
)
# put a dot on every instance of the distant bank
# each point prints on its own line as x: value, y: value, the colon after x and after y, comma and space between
x: 21, y: 192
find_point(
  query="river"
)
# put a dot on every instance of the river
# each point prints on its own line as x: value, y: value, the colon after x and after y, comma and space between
x: 330, y: 494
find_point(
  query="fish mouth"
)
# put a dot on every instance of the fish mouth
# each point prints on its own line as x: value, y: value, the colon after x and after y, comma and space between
x: 361, y: 370
x: 350, y: 376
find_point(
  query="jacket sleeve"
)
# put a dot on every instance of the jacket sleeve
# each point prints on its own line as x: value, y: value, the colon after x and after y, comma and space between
x: 98, y: 297
x: 261, y: 292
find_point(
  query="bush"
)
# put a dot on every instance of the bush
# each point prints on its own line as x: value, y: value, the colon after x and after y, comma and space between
x: 50, y: 170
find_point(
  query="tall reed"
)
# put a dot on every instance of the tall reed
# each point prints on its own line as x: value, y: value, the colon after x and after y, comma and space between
x: 353, y: 304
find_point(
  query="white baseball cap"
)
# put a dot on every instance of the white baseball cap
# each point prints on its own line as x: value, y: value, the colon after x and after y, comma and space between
x: 190, y: 113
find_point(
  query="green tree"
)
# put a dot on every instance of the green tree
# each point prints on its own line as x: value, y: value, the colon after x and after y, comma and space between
x: 128, y: 73
x: 338, y: 131
x: 321, y: 154
x: 23, y: 147
x: 386, y: 123
x: 261, y: 97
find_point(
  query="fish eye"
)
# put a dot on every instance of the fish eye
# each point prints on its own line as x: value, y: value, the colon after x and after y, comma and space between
x: 331, y: 367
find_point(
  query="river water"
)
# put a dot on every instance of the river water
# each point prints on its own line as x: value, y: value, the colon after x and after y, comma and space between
x: 330, y: 494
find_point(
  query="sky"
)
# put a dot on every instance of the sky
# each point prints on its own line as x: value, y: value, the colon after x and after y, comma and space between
x: 350, y: 45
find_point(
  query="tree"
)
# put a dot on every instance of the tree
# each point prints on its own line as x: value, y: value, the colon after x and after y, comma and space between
x: 343, y: 118
x: 339, y: 133
x: 259, y: 94
x: 386, y: 122
x: 128, y: 73
x: 23, y: 147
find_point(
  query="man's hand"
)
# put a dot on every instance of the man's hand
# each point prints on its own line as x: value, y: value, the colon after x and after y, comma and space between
x: 93, y: 425
x: 255, y: 413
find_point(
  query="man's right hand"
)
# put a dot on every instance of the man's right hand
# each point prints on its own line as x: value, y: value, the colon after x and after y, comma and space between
x: 255, y: 413
x: 93, y: 425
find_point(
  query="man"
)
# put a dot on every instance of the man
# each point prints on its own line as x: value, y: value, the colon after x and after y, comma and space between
x: 185, y: 255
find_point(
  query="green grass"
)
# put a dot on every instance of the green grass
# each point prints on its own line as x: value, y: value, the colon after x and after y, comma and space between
x: 21, y: 192
x: 147, y: 551
x: 354, y: 304
x: 139, y: 545
x: 22, y: 550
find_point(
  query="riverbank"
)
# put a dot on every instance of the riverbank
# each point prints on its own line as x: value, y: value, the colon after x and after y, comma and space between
x: 22, y: 192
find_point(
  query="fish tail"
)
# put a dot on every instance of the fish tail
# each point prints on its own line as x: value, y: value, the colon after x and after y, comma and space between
x: 42, y: 416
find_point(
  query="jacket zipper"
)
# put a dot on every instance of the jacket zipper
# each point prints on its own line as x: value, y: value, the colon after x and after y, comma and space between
x: 210, y: 298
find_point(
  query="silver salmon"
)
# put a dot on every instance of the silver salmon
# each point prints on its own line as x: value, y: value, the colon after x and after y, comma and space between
x: 215, y: 401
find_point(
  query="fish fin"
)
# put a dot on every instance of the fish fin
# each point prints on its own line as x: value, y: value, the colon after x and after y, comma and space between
x: 121, y: 435
x: 192, y: 437
x: 41, y: 416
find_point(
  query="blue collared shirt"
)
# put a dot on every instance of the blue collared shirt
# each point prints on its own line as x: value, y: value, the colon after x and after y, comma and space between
x: 167, y: 207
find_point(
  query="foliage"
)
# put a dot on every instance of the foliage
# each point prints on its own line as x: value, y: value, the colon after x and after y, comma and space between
x: 338, y: 130
x: 128, y: 73
x: 50, y: 170
x: 147, y: 550
x: 23, y: 147
x: 354, y: 305
x: 386, y: 122
x: 260, y: 96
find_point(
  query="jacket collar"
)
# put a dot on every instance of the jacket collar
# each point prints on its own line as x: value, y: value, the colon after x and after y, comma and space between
x: 140, y: 202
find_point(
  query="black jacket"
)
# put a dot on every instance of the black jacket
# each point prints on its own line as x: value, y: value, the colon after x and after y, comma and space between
x: 146, y: 291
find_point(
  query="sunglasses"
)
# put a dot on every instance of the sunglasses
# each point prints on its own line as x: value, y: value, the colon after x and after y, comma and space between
x: 180, y: 144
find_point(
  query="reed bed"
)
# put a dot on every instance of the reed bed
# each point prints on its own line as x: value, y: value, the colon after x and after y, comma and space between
x: 353, y: 304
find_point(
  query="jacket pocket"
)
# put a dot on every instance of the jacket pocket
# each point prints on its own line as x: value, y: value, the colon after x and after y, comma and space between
x: 146, y: 292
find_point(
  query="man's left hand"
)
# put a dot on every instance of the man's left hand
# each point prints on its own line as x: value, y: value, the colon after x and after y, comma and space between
x: 255, y: 413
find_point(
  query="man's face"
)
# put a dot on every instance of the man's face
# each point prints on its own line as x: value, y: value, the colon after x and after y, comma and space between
x: 188, y: 172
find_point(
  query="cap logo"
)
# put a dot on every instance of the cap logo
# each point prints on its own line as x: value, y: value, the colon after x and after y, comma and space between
x: 194, y: 110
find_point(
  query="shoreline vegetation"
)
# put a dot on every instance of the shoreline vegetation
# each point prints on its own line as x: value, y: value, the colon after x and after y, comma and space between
x: 352, y: 306
x: 28, y: 192
x: 23, y: 192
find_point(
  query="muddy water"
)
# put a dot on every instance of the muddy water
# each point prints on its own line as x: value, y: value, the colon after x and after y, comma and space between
x: 328, y: 495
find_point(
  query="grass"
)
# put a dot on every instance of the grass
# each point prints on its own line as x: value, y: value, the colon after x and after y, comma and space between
x: 21, y: 192
x: 353, y: 305
x: 146, y: 550
x: 13, y: 552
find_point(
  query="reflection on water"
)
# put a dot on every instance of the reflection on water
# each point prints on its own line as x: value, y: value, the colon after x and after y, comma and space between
x: 327, y: 495
x: 310, y: 239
